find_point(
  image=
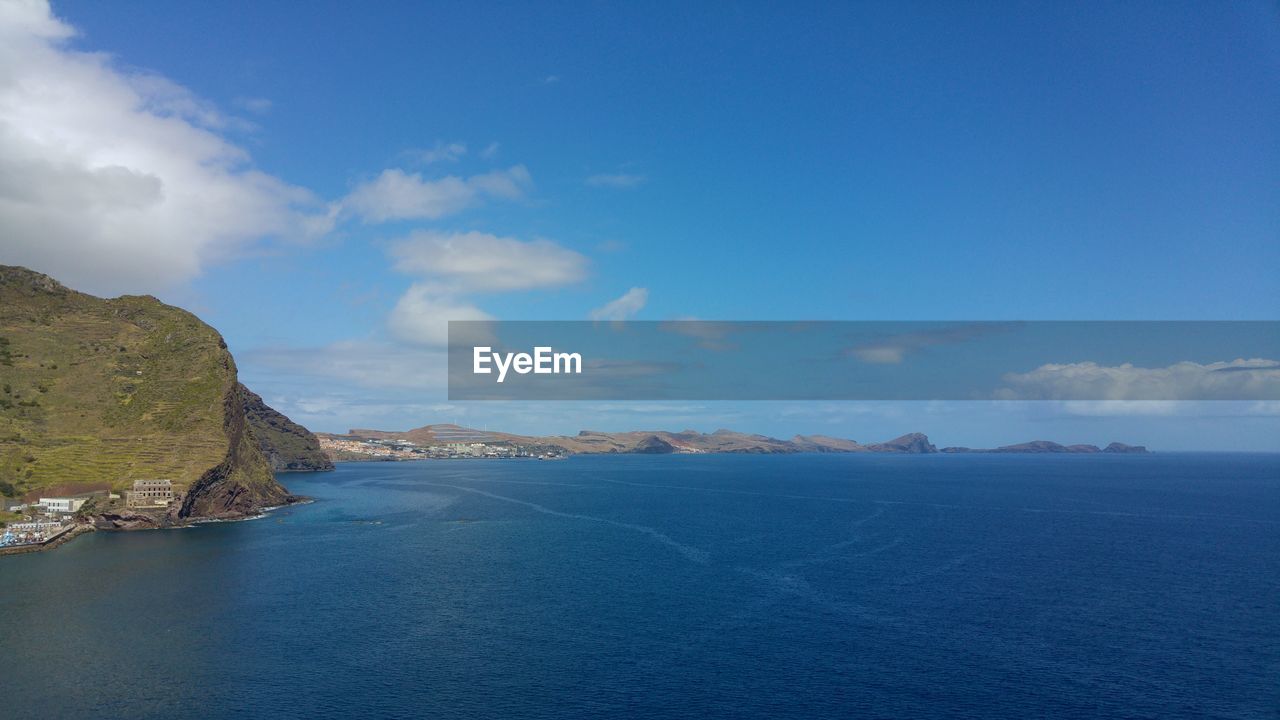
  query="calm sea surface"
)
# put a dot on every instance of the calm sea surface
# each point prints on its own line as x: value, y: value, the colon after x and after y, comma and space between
x: 679, y: 586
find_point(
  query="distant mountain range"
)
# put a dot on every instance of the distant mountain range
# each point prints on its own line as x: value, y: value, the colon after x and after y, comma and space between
x: 1046, y: 446
x: 589, y: 442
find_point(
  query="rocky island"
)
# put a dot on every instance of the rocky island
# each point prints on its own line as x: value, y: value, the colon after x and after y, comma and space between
x: 1048, y: 446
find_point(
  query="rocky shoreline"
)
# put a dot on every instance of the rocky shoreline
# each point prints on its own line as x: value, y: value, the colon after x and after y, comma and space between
x: 60, y: 540
x: 134, y: 520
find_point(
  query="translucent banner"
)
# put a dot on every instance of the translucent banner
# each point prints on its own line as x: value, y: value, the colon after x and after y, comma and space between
x: 705, y: 360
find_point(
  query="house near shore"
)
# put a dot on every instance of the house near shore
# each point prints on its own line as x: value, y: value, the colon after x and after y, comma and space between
x: 62, y: 505
x: 149, y: 493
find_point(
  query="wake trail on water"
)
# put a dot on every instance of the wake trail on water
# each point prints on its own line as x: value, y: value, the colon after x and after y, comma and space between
x: 720, y: 491
x: 527, y: 482
x: 690, y: 553
x: 905, y: 503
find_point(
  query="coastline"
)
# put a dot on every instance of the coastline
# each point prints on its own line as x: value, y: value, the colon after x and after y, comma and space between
x: 258, y: 515
x: 84, y: 528
x: 53, y: 543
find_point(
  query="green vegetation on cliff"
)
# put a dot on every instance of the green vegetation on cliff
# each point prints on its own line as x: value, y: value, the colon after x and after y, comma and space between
x: 287, y: 445
x: 98, y: 393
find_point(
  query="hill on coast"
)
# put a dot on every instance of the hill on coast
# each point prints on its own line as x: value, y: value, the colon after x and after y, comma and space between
x: 96, y: 393
x: 590, y: 442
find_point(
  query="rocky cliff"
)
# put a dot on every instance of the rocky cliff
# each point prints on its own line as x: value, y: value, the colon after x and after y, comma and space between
x: 915, y: 443
x: 288, y: 446
x: 97, y: 393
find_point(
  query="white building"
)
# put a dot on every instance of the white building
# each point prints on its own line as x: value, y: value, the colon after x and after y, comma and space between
x: 34, y: 527
x: 62, y: 505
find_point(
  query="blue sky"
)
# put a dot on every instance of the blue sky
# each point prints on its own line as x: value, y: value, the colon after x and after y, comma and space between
x: 891, y: 161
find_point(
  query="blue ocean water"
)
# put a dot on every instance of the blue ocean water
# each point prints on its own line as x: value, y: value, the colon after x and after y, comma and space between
x: 680, y: 586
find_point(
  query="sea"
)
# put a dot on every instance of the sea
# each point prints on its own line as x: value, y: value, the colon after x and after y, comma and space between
x: 679, y: 586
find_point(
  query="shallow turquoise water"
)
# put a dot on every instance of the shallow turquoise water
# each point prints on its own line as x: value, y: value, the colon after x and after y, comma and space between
x: 680, y: 586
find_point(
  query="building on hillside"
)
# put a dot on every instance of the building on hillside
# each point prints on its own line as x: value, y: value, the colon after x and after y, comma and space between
x: 149, y: 493
x: 62, y: 505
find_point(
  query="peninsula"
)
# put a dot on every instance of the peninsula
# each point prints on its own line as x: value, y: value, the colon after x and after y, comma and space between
x: 99, y: 395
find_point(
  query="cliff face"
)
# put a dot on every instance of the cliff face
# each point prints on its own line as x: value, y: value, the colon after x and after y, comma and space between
x: 243, y: 482
x: 98, y: 393
x: 287, y: 445
x: 914, y: 443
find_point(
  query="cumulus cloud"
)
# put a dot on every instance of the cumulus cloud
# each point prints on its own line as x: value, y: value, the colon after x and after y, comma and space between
x: 1241, y: 379
x: 617, y: 180
x: 480, y: 262
x: 422, y: 315
x: 455, y: 266
x: 442, y: 152
x: 116, y: 180
x: 631, y: 302
x: 397, y: 195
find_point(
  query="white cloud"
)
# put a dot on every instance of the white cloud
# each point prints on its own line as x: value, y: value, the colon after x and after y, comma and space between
x: 1170, y: 408
x: 360, y: 363
x: 480, y: 262
x: 1235, y: 380
x: 490, y: 151
x: 453, y: 266
x: 442, y: 152
x: 631, y: 302
x: 1122, y: 408
x: 31, y: 19
x: 618, y: 180
x: 114, y: 180
x: 422, y: 315
x: 255, y: 105
x: 397, y: 195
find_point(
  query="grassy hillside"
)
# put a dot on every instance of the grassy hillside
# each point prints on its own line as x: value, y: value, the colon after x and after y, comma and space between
x: 98, y: 392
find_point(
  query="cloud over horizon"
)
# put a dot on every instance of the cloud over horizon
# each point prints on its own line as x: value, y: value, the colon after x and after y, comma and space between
x: 624, y: 307
x: 1253, y: 378
x: 118, y: 180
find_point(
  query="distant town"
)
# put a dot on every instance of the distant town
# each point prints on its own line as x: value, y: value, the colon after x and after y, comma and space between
x: 458, y: 445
